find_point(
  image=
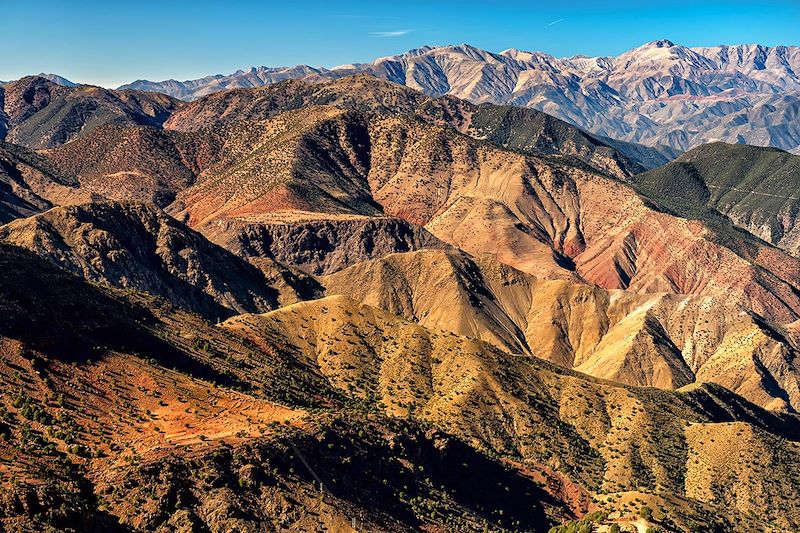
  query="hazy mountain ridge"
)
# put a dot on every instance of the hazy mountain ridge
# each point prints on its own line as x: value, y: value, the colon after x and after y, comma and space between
x: 659, y: 93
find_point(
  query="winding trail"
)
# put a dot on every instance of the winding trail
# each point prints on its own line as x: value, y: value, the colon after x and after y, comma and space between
x: 753, y: 192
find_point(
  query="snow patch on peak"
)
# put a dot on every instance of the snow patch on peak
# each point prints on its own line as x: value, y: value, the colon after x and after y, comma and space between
x: 661, y: 43
x: 59, y: 80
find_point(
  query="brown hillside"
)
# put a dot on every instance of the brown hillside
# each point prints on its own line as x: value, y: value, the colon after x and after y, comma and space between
x: 143, y: 417
x: 607, y: 437
x: 140, y: 163
x: 662, y: 340
x: 526, y: 130
x: 538, y: 215
x: 42, y: 114
x: 30, y: 184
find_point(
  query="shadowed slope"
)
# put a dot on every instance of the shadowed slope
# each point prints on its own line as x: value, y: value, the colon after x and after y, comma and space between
x: 139, y: 247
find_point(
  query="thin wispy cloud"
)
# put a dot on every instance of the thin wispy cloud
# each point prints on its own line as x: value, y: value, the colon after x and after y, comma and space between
x: 394, y: 33
x: 556, y: 22
x: 366, y: 17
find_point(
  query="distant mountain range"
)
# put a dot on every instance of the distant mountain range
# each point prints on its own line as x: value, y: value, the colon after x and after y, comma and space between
x: 661, y: 93
x: 60, y: 80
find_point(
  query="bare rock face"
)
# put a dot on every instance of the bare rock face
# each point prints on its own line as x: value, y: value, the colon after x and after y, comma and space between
x: 139, y: 247
x: 321, y: 246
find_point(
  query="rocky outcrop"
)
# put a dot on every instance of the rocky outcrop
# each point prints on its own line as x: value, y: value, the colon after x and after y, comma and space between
x: 321, y: 246
x: 139, y: 247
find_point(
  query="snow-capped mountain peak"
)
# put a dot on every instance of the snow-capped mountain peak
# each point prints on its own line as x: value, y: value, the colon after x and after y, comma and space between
x: 658, y: 93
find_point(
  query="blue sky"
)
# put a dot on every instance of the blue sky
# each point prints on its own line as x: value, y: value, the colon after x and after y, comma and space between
x: 110, y: 43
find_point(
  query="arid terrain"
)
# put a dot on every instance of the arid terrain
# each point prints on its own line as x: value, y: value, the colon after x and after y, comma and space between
x: 339, y: 303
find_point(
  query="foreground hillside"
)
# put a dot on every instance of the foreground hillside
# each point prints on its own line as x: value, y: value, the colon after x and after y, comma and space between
x: 142, y: 416
x: 122, y: 412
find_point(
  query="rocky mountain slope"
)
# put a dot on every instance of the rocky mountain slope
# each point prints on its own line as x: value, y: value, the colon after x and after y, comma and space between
x: 137, y: 163
x: 139, y: 247
x: 526, y: 130
x: 660, y: 93
x: 539, y: 215
x: 658, y: 340
x: 38, y: 113
x: 324, y: 187
x: 455, y: 384
x: 756, y: 188
x: 128, y: 414
x: 149, y: 164
x: 439, y: 317
x: 30, y: 184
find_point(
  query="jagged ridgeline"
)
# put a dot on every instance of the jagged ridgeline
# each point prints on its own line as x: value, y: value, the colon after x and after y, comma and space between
x: 661, y: 94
